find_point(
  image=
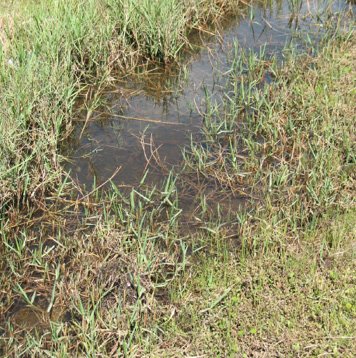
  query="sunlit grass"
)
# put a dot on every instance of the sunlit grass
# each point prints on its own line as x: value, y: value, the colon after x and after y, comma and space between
x: 49, y: 50
x: 114, y: 274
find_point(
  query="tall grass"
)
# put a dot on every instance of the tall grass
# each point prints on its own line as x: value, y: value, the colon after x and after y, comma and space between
x: 49, y: 50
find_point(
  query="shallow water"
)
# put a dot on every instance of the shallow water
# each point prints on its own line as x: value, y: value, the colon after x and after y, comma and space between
x: 151, y: 117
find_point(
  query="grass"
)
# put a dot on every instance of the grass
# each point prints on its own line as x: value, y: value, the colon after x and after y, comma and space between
x: 288, y: 289
x: 115, y: 275
x: 283, y: 299
x: 50, y: 51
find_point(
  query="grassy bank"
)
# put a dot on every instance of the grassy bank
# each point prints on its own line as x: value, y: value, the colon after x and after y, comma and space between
x: 288, y: 290
x: 49, y: 52
x: 277, y: 280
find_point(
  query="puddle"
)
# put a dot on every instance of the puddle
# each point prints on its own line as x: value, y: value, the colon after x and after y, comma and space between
x: 37, y: 316
x: 146, y: 120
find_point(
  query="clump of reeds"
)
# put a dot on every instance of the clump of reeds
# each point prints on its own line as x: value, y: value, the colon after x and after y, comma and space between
x: 50, y: 50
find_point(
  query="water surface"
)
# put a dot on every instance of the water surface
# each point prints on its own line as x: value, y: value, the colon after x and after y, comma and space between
x: 146, y: 120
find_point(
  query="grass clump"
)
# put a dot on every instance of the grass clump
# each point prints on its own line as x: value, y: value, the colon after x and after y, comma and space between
x: 49, y: 52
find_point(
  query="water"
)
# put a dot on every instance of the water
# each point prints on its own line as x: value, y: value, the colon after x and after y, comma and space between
x: 151, y: 117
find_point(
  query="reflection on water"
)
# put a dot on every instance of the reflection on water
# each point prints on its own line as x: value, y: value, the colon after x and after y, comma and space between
x: 146, y: 120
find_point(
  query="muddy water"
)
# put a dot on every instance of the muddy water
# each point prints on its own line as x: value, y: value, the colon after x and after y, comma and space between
x: 146, y: 120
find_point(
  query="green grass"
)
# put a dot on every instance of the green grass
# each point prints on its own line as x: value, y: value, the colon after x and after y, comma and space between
x: 49, y: 52
x: 282, y: 299
x: 288, y: 289
x: 115, y: 275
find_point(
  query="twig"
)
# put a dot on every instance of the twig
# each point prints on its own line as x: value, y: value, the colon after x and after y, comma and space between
x: 143, y: 119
